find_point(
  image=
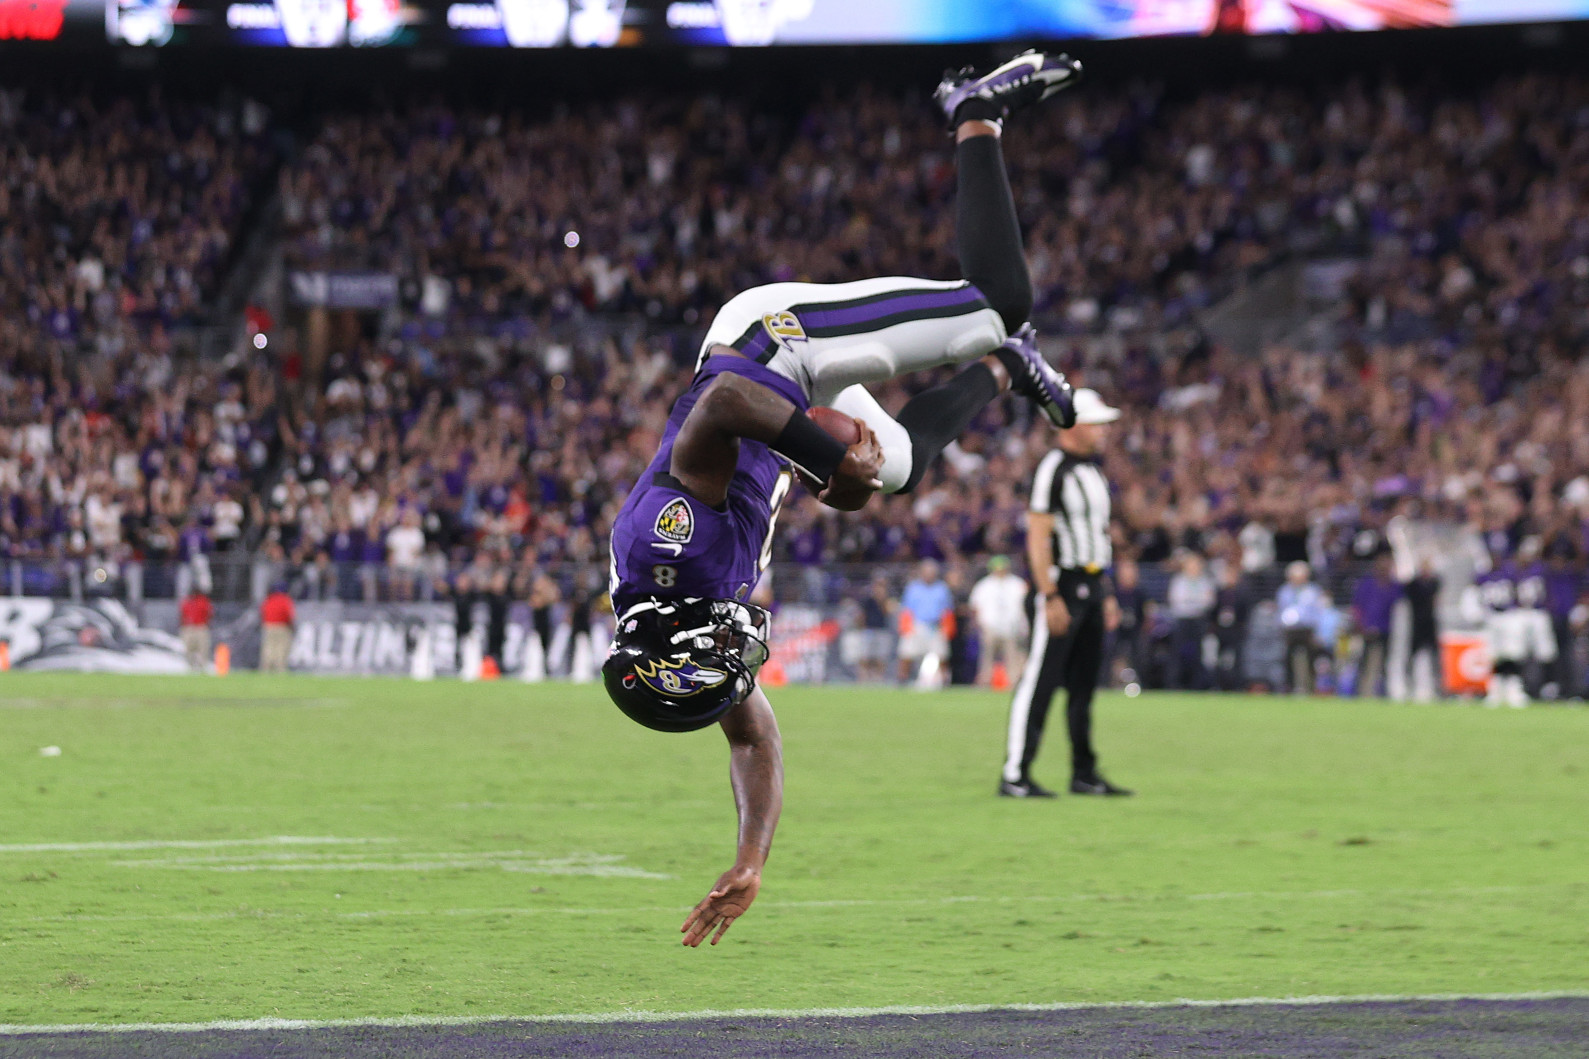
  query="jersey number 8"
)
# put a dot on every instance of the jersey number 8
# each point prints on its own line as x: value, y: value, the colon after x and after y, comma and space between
x: 665, y: 576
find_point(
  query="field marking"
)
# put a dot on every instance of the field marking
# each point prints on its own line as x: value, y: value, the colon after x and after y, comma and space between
x: 631, y: 1016
x: 218, y: 843
x: 526, y: 862
x: 774, y: 906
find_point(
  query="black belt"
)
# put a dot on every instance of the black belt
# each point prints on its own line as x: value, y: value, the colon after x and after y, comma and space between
x: 1092, y: 570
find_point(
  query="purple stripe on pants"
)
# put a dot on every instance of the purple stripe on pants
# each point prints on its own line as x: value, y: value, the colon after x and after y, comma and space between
x: 885, y: 307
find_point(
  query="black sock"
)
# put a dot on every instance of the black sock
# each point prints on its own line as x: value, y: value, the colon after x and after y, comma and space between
x: 975, y: 108
x: 988, y: 233
x: 937, y: 416
x: 1013, y: 363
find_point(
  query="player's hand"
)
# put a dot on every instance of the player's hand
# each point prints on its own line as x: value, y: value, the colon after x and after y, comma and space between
x: 729, y: 899
x: 1057, y: 615
x: 1111, y: 614
x: 857, y: 477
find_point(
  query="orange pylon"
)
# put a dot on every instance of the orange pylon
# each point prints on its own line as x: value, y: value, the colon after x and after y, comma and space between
x: 489, y: 670
x: 5, y: 656
x: 223, y: 659
x: 1001, y: 677
x: 772, y: 674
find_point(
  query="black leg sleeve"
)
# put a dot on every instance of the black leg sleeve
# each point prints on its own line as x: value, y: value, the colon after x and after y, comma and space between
x: 991, y: 255
x: 1081, y: 680
x: 937, y: 416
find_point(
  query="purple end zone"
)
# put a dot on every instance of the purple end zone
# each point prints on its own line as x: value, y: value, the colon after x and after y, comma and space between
x: 1453, y: 1029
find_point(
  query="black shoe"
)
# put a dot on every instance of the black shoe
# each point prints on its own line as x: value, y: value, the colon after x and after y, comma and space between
x: 1024, y: 789
x: 1098, y: 785
x: 1033, y: 378
x: 1029, y: 78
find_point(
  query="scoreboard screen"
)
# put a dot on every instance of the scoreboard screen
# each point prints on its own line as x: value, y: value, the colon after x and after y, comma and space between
x: 734, y: 23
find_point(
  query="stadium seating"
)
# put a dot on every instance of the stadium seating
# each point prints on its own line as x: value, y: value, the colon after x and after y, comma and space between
x: 1444, y: 387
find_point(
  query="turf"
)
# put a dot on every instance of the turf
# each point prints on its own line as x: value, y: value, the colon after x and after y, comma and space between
x: 526, y: 850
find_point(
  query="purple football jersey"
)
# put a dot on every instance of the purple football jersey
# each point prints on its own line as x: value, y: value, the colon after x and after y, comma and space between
x: 667, y: 543
x: 1498, y: 587
x: 1531, y: 586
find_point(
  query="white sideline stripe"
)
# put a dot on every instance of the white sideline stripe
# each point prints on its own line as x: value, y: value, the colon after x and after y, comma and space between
x: 403, y: 1021
x: 776, y: 906
x: 218, y: 843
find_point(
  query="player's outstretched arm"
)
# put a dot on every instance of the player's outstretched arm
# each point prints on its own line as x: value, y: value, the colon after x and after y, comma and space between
x: 733, y: 407
x: 756, y: 771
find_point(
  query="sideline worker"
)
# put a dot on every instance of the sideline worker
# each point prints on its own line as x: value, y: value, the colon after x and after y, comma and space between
x: 277, y: 616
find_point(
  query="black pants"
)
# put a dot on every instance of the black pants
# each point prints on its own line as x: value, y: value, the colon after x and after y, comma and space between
x: 1566, y: 664
x: 1375, y: 648
x: 1071, y: 661
x: 1186, y: 659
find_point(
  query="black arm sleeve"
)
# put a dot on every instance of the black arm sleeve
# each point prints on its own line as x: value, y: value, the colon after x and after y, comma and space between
x: 809, y: 447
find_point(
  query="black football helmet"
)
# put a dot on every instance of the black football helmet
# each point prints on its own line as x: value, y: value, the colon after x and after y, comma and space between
x: 680, y: 664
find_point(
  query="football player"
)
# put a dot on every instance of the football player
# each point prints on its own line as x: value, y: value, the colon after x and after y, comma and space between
x: 695, y: 534
x: 1509, y: 595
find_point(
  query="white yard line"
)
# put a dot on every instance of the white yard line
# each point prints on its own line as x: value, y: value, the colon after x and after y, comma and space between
x: 218, y: 843
x: 598, y: 865
x: 776, y: 906
x: 402, y: 1021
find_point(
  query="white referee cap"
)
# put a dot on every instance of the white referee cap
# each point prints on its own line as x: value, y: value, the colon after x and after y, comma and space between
x: 1090, y: 408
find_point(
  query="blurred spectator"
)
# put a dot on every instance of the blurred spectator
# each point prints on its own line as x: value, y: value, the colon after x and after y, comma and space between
x: 464, y: 596
x: 1563, y: 583
x: 497, y: 599
x: 1125, y: 645
x: 405, y: 544
x: 196, y: 614
x: 923, y: 607
x: 1578, y: 652
x: 1232, y: 608
x: 277, y: 618
x: 1192, y: 595
x: 866, y: 644
x: 1373, y: 603
x: 582, y: 648
x: 1423, y: 652
x: 544, y: 595
x: 998, y: 601
x: 1302, y: 604
x: 959, y: 626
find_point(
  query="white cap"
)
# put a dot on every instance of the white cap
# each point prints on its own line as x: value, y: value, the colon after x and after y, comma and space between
x: 1090, y: 408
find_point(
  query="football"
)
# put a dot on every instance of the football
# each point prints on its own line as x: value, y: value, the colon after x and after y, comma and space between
x: 845, y: 496
x: 842, y: 427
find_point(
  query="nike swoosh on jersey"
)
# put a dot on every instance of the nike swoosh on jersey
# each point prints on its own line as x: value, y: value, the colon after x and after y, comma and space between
x: 676, y: 549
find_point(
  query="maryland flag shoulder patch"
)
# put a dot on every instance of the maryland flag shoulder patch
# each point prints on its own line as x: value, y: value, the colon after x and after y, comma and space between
x: 676, y: 521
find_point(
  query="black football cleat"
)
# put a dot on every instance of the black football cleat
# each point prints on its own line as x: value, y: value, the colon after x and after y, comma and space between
x: 1029, y: 78
x: 1098, y: 785
x: 1024, y: 789
x: 1033, y: 378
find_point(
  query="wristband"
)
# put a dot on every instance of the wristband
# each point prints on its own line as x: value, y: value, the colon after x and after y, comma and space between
x: 809, y: 447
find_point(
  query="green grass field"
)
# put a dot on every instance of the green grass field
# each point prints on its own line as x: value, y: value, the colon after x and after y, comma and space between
x: 509, y: 850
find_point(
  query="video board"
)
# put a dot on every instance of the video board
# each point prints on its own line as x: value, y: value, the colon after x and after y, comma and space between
x: 737, y: 23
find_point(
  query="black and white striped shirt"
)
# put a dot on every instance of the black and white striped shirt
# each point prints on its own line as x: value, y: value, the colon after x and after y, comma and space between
x: 1074, y: 491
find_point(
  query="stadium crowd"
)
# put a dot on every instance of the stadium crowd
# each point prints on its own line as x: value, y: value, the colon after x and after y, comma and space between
x: 474, y: 429
x: 117, y: 214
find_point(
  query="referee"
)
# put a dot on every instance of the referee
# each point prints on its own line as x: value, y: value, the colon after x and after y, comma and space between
x: 1067, y: 544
